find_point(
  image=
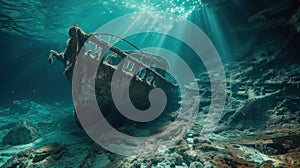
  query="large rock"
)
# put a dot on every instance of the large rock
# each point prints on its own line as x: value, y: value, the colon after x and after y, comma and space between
x: 22, y: 133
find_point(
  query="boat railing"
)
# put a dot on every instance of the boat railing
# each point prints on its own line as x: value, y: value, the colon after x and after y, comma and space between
x: 132, y: 64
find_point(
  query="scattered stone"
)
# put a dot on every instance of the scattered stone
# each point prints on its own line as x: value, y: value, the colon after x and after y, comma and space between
x: 181, y: 146
x: 178, y: 159
x: 197, y: 140
x: 191, y: 155
x: 205, y: 147
x: 208, y: 165
x: 196, y: 165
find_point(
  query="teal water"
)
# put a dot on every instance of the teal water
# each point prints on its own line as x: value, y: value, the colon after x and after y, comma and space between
x: 260, y: 54
x: 49, y: 20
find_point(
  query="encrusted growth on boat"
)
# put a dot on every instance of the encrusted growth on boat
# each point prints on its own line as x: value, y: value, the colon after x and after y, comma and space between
x: 145, y: 72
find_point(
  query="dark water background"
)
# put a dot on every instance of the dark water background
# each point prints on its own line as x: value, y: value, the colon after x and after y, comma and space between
x: 25, y: 73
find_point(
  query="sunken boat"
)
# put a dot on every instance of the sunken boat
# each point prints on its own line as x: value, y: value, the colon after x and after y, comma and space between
x: 145, y: 71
